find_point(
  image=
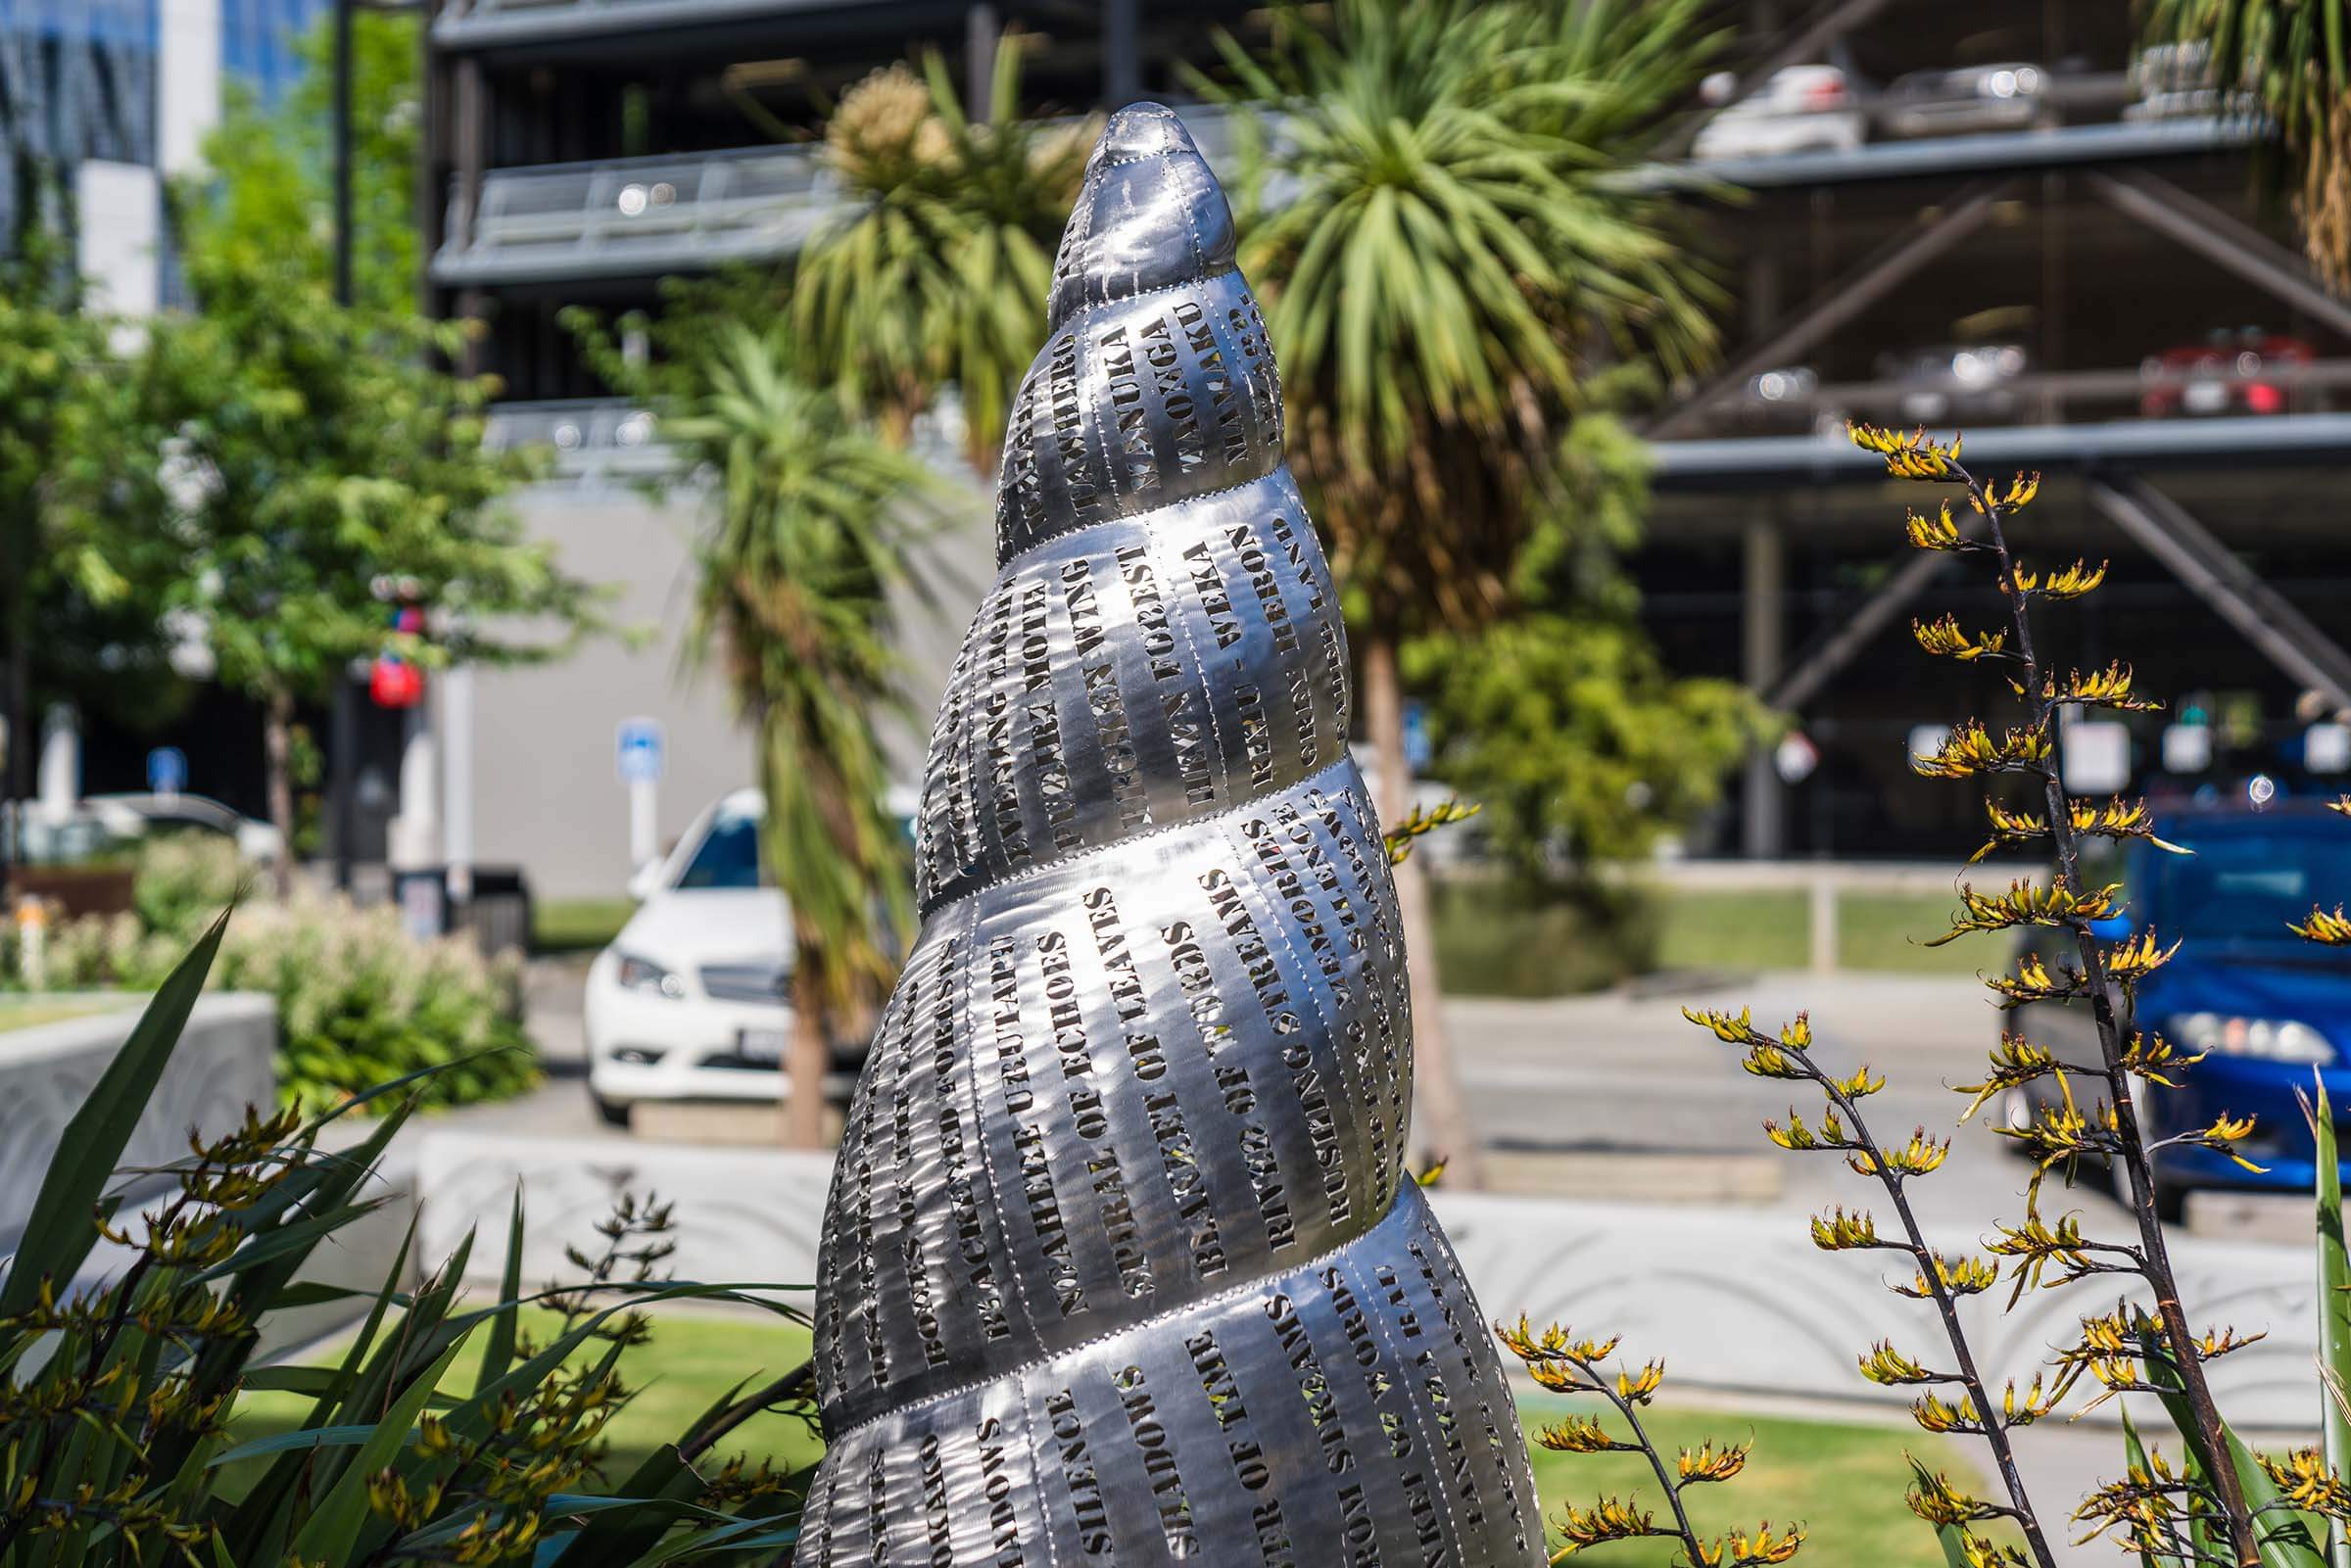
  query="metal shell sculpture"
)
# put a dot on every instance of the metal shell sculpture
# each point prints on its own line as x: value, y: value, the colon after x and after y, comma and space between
x: 1121, y: 1263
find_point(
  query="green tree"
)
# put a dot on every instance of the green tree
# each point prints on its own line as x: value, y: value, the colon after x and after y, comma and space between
x: 1560, y: 720
x: 2292, y: 57
x: 938, y: 273
x: 272, y: 166
x: 1448, y: 262
x: 809, y: 535
x: 312, y: 451
x: 77, y: 590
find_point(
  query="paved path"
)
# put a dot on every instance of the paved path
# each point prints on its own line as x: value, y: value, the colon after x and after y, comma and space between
x: 1623, y: 1071
x: 1619, y: 1072
x: 1621, y: 1080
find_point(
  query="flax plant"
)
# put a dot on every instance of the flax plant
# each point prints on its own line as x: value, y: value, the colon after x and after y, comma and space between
x: 2221, y: 1504
x: 134, y: 1308
x: 1559, y: 1361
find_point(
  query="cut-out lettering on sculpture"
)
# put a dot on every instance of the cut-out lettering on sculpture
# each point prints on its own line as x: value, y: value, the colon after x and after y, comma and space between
x: 1120, y: 1264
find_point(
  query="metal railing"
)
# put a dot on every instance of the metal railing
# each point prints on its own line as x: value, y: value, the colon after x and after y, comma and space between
x: 496, y: 23
x: 643, y: 217
x: 637, y: 215
x: 594, y: 440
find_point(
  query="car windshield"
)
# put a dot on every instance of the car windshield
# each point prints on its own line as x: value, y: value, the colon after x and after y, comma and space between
x: 2244, y: 887
x: 728, y: 855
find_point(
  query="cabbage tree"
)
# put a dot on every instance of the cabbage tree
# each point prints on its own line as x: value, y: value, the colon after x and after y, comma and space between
x: 809, y: 530
x: 1448, y: 262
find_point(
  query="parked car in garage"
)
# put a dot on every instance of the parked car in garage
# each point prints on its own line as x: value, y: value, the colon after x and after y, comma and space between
x: 2247, y: 371
x: 2177, y: 81
x: 2266, y: 1007
x: 1955, y: 380
x: 1799, y: 108
x: 1971, y: 98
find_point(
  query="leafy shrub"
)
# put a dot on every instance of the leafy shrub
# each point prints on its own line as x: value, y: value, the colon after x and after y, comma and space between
x: 116, y: 1398
x: 360, y: 1002
x: 2212, y: 1500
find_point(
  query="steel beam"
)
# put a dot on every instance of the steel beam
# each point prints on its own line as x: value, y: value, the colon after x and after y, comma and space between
x: 1841, y: 302
x: 2214, y: 573
x: 1763, y: 639
x: 1831, y: 23
x: 1860, y: 629
x: 2223, y: 239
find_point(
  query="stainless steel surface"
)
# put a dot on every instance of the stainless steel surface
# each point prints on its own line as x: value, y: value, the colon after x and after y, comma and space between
x: 1120, y: 1261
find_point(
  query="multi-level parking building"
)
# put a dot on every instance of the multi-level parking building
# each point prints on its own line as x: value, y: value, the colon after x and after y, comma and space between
x: 1997, y: 216
x: 579, y: 151
x: 2001, y: 218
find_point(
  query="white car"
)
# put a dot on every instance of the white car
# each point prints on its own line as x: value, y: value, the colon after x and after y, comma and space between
x: 135, y: 815
x: 693, y: 999
x: 1801, y: 109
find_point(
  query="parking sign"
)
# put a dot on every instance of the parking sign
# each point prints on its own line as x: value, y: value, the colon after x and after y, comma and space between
x: 638, y: 753
x: 167, y: 771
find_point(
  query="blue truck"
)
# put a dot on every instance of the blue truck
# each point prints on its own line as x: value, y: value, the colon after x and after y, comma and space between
x: 2267, y: 1007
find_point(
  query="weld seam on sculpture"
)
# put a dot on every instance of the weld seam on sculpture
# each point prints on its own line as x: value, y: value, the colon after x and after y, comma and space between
x: 1068, y: 859
x: 1120, y: 1261
x: 1042, y: 548
x: 1092, y: 307
x: 1047, y: 1353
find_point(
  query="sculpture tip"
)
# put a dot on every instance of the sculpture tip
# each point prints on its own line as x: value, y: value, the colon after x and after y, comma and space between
x: 1144, y: 129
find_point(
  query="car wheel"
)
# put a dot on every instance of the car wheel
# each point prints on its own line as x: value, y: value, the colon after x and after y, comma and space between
x: 611, y: 1113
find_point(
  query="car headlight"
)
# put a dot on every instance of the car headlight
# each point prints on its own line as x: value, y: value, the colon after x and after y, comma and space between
x: 644, y: 975
x: 2268, y: 1039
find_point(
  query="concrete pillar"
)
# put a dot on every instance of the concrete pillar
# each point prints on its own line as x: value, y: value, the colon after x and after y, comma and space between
x: 1122, y: 52
x: 456, y: 781
x: 1762, y: 626
x: 188, y: 82
x: 983, y: 30
x: 416, y: 830
x: 61, y: 762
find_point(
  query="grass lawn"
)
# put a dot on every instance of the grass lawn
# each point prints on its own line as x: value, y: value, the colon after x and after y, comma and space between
x: 1737, y: 930
x: 1497, y: 939
x: 1890, y: 930
x: 1844, y: 1482
x: 23, y: 1012
x: 577, y: 924
x: 694, y: 1359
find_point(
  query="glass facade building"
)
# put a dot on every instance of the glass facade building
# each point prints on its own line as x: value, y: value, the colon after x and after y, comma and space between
x: 101, y: 101
x: 258, y: 39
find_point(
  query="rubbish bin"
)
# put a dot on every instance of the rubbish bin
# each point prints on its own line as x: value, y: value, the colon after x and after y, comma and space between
x: 498, y: 917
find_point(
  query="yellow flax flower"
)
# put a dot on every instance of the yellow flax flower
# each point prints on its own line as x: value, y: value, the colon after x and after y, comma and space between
x: 1917, y: 1158
x: 1839, y: 1231
x: 2067, y: 583
x: 1889, y: 1367
x: 1961, y: 1276
x: 1706, y: 1463
x: 1938, y: 532
x: 2327, y: 930
x: 1948, y: 639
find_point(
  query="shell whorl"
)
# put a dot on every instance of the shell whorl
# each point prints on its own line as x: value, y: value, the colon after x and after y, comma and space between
x: 1120, y: 1262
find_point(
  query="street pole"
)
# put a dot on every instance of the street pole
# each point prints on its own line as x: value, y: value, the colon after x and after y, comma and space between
x: 343, y: 769
x: 1122, y: 52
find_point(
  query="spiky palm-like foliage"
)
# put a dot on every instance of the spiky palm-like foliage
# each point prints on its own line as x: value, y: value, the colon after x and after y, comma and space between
x: 1446, y: 259
x: 938, y: 273
x: 2292, y: 59
x: 810, y: 534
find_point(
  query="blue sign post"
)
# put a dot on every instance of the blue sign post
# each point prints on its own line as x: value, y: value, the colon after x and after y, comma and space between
x: 638, y: 757
x: 167, y: 771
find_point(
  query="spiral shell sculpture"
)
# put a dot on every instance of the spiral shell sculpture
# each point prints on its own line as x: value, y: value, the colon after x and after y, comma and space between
x: 1120, y: 1264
